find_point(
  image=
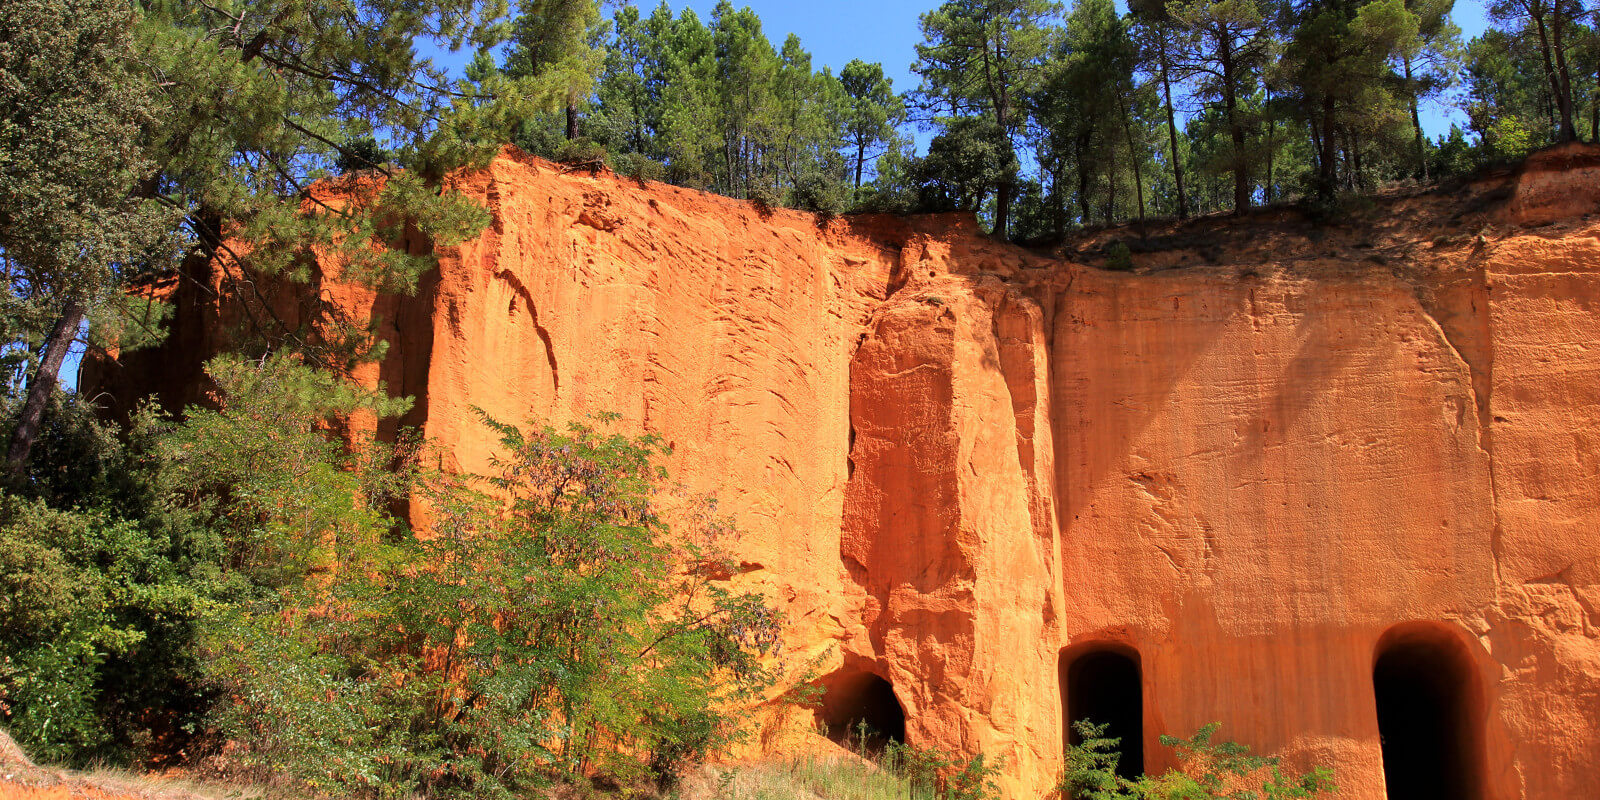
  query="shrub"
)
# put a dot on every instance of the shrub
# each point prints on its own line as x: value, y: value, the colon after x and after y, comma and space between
x: 242, y: 573
x: 96, y: 633
x: 1119, y: 257
x: 765, y: 197
x: 639, y: 167
x: 581, y: 151
x: 1211, y: 771
x: 927, y: 774
x: 820, y: 193
x: 104, y: 589
x: 548, y: 627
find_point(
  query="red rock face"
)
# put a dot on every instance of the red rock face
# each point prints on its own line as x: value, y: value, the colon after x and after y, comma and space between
x: 1319, y: 490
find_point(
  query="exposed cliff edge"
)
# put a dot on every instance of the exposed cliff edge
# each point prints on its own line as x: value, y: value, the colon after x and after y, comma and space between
x: 1267, y: 458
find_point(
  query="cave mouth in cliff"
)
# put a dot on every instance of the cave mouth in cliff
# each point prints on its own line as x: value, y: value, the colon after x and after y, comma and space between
x: 1103, y: 684
x: 853, y: 702
x: 1430, y: 714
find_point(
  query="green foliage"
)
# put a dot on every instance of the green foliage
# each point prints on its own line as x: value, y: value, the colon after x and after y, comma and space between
x: 821, y: 188
x: 580, y: 151
x: 978, y: 61
x: 360, y: 154
x: 940, y: 776
x: 638, y: 167
x: 243, y: 576
x: 551, y: 41
x: 546, y: 627
x: 964, y: 165
x: 834, y: 778
x: 874, y: 112
x: 926, y: 773
x: 716, y: 106
x: 895, y: 188
x: 1119, y: 257
x: 74, y: 120
x: 1338, y: 59
x: 260, y: 100
x: 105, y: 588
x: 1211, y: 771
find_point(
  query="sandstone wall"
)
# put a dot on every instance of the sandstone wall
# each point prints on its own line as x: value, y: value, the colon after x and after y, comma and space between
x: 954, y: 460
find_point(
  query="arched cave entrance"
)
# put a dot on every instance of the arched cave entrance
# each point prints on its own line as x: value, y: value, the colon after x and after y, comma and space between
x: 1103, y: 684
x: 856, y: 701
x: 1430, y: 715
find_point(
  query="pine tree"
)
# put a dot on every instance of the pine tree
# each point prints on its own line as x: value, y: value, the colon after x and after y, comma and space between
x: 1222, y: 49
x: 982, y: 58
x: 75, y: 119
x: 1506, y: 91
x: 1338, y: 65
x: 625, y: 113
x: 1154, y: 30
x: 551, y: 40
x: 1087, y: 105
x: 1431, y: 68
x: 1552, y: 23
x: 874, y: 112
x: 683, y: 75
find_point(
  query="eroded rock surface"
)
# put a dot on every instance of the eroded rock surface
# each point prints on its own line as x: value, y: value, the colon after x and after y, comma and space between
x: 1267, y: 456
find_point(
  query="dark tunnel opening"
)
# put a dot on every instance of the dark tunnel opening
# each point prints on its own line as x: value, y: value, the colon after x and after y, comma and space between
x: 1430, y: 716
x: 859, y: 709
x: 1104, y: 686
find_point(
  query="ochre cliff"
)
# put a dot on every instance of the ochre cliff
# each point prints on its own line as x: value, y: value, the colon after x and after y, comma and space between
x: 1273, y: 463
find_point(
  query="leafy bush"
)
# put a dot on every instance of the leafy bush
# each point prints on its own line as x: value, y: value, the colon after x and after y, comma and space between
x: 243, y: 574
x: 638, y: 167
x: 545, y: 628
x: 96, y: 632
x: 820, y: 193
x: 104, y: 589
x: 1211, y: 771
x: 765, y: 197
x: 1119, y: 257
x: 580, y: 151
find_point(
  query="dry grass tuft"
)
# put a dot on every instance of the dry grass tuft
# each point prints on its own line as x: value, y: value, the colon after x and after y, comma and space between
x: 841, y: 776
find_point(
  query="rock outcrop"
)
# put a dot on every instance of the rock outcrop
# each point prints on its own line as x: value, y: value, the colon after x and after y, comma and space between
x: 1273, y: 463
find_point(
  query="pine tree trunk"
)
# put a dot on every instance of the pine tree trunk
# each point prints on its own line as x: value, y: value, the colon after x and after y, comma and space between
x: 1002, y: 199
x: 1241, y: 174
x: 1059, y: 207
x: 1358, y: 174
x: 1002, y: 209
x: 1172, y: 132
x: 861, y: 159
x: 1594, y: 110
x: 572, y: 119
x: 1133, y: 155
x: 42, y: 387
x: 1562, y: 107
x: 1083, y: 178
x: 1416, y: 126
x: 1328, y: 159
x: 1569, y: 131
x: 1272, y: 131
x: 1111, y: 181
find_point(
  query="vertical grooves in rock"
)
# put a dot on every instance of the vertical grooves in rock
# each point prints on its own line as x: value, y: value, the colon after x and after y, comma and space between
x: 1470, y: 337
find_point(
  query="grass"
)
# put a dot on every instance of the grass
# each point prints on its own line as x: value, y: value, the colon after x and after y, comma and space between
x: 854, y: 773
x: 21, y: 779
x: 822, y: 777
